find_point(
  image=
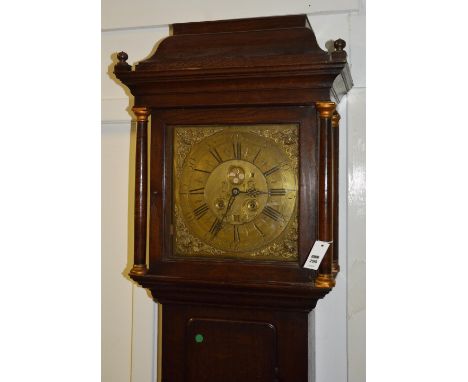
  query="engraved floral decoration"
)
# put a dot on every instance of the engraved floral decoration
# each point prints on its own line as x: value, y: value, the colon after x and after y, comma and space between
x: 287, y: 139
x: 185, y: 138
x: 186, y: 243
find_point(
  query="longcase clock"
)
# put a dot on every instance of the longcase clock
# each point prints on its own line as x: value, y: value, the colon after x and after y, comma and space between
x: 243, y: 180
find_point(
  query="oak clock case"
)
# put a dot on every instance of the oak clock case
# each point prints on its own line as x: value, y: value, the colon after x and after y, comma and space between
x: 235, y: 191
x: 238, y: 180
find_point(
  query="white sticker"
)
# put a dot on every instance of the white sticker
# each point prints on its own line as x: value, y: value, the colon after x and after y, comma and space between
x: 316, y: 254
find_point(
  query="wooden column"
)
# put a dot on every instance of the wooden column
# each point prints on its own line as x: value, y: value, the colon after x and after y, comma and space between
x: 141, y: 187
x: 325, y: 110
x: 336, y: 160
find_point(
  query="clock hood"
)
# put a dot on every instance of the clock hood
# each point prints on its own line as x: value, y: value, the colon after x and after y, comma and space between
x: 257, y: 59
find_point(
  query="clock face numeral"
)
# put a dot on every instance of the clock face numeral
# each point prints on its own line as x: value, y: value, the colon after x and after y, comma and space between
x: 200, y: 170
x: 237, y: 150
x: 216, y: 227
x: 216, y: 155
x: 200, y: 211
x: 271, y: 170
x: 256, y: 155
x: 272, y: 213
x: 277, y: 191
x: 197, y: 191
x: 236, y: 233
x: 258, y: 230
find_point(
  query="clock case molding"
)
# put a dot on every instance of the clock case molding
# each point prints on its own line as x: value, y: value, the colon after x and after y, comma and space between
x: 246, y: 71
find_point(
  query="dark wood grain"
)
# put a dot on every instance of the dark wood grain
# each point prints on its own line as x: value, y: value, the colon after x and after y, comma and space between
x: 325, y: 202
x: 241, y: 25
x: 141, y: 192
x: 287, y: 354
x: 229, y: 350
x: 325, y: 190
x: 141, y: 188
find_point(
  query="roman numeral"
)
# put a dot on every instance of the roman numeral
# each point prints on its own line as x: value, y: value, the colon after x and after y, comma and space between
x: 256, y: 155
x: 200, y: 211
x: 258, y: 229
x: 271, y: 170
x: 197, y: 191
x: 216, y: 155
x: 271, y: 213
x: 236, y: 233
x: 237, y: 150
x: 216, y: 227
x: 277, y: 191
x: 197, y: 169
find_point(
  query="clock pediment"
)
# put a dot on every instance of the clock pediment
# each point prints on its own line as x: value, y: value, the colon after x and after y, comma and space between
x: 257, y: 60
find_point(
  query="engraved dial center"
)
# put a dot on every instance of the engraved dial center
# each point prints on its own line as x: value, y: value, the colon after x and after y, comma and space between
x: 236, y: 178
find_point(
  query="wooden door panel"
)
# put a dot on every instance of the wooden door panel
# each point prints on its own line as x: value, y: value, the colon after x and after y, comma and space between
x: 230, y: 351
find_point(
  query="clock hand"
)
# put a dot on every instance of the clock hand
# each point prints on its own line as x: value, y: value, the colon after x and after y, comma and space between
x: 234, y: 193
x: 230, y: 203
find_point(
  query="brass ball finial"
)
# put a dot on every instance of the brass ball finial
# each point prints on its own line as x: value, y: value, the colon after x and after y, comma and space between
x: 122, y: 57
x: 339, y: 44
x: 122, y: 65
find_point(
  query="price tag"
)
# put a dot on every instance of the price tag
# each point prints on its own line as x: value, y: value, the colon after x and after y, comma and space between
x: 316, y: 254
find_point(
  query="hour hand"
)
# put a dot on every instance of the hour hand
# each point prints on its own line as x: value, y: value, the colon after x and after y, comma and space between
x: 229, y: 205
x: 218, y: 223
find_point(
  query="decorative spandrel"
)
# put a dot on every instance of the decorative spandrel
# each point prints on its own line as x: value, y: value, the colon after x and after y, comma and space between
x: 235, y: 191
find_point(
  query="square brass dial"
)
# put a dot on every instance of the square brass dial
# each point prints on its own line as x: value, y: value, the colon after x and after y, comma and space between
x: 235, y: 191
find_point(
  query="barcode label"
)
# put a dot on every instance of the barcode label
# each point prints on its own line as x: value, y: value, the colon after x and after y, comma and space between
x: 316, y: 254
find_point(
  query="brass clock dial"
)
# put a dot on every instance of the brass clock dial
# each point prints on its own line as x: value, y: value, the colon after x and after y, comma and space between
x: 236, y: 190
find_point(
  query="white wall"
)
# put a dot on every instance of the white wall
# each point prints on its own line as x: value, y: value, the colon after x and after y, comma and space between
x: 118, y: 14
x: 128, y: 314
x: 116, y: 290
